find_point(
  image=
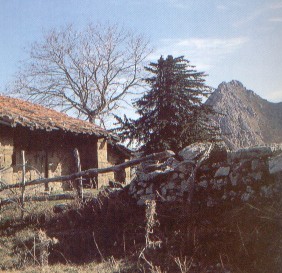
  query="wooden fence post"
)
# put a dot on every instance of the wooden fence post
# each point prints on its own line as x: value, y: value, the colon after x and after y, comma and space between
x: 78, y: 182
x: 23, y: 182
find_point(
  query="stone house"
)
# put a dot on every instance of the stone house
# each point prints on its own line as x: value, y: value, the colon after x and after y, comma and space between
x: 49, y: 138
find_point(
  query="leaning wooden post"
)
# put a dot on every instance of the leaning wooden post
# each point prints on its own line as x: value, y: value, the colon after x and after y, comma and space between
x: 78, y: 182
x: 23, y: 182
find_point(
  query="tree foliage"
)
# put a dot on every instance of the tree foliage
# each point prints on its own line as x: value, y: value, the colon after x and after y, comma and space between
x: 172, y: 114
x: 87, y: 73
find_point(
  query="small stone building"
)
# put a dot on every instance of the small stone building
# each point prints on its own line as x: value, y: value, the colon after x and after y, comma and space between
x: 49, y: 138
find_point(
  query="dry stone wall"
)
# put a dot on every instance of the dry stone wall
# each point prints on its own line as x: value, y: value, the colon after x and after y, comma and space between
x: 213, y: 174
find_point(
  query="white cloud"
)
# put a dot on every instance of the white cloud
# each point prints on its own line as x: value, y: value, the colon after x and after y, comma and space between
x: 222, y: 7
x: 259, y: 13
x: 182, y: 4
x: 275, y: 19
x: 251, y: 17
x: 275, y: 96
x: 277, y: 5
x: 203, y: 52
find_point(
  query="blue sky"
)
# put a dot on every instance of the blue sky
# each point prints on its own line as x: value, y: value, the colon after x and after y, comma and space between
x: 236, y: 39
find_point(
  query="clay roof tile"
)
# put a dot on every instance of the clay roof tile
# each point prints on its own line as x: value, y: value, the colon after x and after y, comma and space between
x: 33, y: 116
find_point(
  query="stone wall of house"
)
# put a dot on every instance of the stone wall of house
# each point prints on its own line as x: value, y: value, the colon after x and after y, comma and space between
x: 6, y: 153
x: 211, y: 174
x: 127, y: 174
x: 50, y: 154
x: 102, y: 156
x: 46, y: 154
x: 114, y: 158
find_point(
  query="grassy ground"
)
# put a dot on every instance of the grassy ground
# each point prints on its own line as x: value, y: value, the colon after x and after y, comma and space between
x: 17, y: 235
x: 111, y: 266
x: 114, y: 235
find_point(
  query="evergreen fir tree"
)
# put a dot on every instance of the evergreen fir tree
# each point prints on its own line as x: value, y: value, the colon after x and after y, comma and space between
x: 172, y: 114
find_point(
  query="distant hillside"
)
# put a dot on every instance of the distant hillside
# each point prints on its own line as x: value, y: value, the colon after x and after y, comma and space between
x: 246, y: 118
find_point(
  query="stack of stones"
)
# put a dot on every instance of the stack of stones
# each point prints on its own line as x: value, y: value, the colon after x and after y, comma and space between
x: 213, y: 173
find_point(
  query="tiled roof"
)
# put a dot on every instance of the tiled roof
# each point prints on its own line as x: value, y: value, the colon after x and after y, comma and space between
x: 16, y: 112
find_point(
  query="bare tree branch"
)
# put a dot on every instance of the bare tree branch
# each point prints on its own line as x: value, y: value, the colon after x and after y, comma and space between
x: 90, y: 71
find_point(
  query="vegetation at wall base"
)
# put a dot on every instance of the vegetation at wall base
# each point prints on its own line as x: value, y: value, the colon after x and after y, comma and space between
x: 111, y: 230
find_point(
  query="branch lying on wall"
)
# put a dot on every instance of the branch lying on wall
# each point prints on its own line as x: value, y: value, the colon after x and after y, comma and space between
x: 92, y: 172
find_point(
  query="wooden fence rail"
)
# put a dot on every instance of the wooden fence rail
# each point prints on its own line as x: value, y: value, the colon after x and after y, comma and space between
x: 90, y: 172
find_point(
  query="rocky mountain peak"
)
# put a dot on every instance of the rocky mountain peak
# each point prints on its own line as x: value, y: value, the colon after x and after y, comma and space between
x: 231, y: 84
x: 245, y: 118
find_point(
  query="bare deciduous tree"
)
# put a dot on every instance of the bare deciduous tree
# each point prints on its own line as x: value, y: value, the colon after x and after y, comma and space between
x: 87, y: 73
